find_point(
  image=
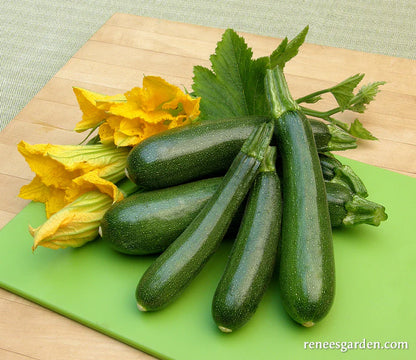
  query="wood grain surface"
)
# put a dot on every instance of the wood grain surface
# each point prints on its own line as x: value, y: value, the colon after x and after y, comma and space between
x: 114, y: 60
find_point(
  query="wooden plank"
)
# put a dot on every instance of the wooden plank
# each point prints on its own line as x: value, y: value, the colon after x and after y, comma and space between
x: 10, y: 200
x: 163, y: 27
x: 11, y: 355
x: 144, y: 61
x: 113, y: 76
x: 154, y: 42
x: 47, y: 335
x: 385, y: 154
x: 60, y: 90
x: 58, y: 119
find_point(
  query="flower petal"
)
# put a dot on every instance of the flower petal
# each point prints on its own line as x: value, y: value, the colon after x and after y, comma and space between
x: 75, y: 224
x: 57, y: 167
x: 106, y: 133
x: 50, y: 171
x: 92, y: 182
x: 156, y: 107
x: 92, y: 114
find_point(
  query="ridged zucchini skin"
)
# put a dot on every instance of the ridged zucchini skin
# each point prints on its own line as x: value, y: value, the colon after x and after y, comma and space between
x: 251, y: 262
x: 148, y: 222
x: 307, y: 270
x: 197, y: 151
x: 180, y: 263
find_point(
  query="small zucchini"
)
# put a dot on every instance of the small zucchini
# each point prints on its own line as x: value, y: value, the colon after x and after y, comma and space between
x: 180, y: 263
x: 333, y: 170
x: 348, y: 208
x: 205, y: 149
x: 251, y: 262
x: 307, y: 269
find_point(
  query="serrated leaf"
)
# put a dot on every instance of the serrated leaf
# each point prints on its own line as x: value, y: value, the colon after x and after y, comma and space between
x: 343, y: 92
x: 235, y: 85
x: 287, y: 49
x: 278, y: 53
x: 213, y: 104
x: 364, y: 96
x: 357, y: 129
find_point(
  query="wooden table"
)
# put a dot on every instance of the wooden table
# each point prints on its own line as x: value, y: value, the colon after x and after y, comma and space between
x: 114, y: 60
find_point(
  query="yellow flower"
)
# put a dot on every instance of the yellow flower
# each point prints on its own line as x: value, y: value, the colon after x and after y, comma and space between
x: 92, y: 115
x: 75, y: 224
x: 60, y: 169
x: 91, y: 181
x: 142, y: 112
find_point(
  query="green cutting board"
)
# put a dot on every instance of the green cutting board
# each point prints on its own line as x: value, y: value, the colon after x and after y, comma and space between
x: 375, y: 296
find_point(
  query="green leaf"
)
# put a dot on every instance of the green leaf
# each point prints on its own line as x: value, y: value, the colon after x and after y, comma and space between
x: 235, y: 85
x: 278, y: 54
x: 343, y: 92
x: 364, y: 96
x: 287, y: 49
x: 357, y: 129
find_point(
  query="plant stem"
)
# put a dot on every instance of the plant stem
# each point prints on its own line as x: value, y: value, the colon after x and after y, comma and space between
x: 326, y: 116
x: 311, y: 96
x: 278, y: 94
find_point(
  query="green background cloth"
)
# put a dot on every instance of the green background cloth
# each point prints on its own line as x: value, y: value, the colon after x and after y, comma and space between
x: 37, y: 37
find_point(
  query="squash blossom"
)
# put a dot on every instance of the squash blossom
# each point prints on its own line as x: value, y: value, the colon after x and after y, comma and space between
x: 78, y: 222
x: 127, y: 119
x: 75, y: 224
x: 64, y: 172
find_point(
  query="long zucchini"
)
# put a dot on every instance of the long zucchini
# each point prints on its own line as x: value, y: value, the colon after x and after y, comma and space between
x: 148, y: 222
x: 251, y: 262
x: 180, y: 263
x: 307, y: 269
x: 206, y: 149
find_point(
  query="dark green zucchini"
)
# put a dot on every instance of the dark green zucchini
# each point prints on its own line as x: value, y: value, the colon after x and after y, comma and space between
x: 348, y: 208
x: 251, y: 263
x: 307, y: 269
x: 333, y: 170
x: 180, y: 263
x: 205, y: 149
x: 147, y: 222
x: 329, y: 137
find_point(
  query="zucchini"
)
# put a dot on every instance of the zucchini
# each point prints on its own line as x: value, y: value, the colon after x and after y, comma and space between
x: 329, y: 137
x: 307, y: 269
x: 348, y: 208
x: 251, y: 263
x: 180, y: 263
x: 204, y: 149
x: 333, y: 170
x: 147, y: 223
